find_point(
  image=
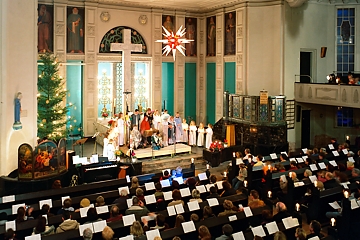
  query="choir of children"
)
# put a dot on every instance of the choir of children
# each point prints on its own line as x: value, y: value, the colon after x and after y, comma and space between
x: 165, y: 128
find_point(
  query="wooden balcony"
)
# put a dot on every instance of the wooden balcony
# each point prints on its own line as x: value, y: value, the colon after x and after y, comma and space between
x: 328, y: 94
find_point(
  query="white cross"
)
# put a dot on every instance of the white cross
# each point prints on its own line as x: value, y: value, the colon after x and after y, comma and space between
x: 126, y: 48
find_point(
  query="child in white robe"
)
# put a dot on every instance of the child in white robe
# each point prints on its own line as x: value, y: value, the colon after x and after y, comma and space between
x: 105, y: 146
x: 209, y: 134
x: 201, y: 131
x: 192, y: 134
x: 185, y: 128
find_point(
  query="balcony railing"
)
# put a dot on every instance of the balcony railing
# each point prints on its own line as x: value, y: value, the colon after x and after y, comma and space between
x: 328, y: 94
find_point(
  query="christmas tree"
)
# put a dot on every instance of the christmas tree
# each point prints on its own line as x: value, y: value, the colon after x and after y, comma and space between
x: 52, y: 109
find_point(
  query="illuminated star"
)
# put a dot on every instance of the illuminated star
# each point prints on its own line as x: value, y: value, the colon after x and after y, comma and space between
x: 174, y: 42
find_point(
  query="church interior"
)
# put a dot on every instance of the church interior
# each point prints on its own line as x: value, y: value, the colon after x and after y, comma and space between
x: 276, y: 78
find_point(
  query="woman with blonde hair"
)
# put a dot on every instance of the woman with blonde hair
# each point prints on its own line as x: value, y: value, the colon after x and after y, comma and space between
x: 196, y: 196
x: 137, y: 231
x: 300, y: 234
x: 107, y: 233
x: 279, y: 236
x: 204, y: 233
x: 134, y: 182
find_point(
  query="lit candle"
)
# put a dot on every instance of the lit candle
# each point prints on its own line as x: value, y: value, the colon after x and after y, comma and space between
x: 332, y: 222
x: 347, y: 137
x: 346, y: 194
x: 269, y: 194
x: 315, y: 183
x: 233, y: 154
x: 245, y: 183
x: 192, y: 160
x: 297, y: 207
x: 225, y: 174
x: 207, y: 166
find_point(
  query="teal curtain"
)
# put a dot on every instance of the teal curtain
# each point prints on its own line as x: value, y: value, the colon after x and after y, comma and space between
x: 167, y: 95
x: 190, y: 91
x: 210, y: 92
x: 229, y: 76
x: 74, y: 79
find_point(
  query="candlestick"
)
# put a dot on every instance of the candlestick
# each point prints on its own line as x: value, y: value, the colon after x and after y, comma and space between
x: 269, y: 194
x: 245, y: 183
x: 207, y: 166
x: 297, y: 206
x: 332, y: 222
x: 192, y: 160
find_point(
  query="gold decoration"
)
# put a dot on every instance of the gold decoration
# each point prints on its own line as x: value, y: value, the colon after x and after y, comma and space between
x: 47, y: 101
x: 44, y: 120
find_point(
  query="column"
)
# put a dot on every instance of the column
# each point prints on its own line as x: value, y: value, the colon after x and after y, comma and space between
x: 157, y: 60
x: 179, y: 80
x: 219, y: 65
x: 90, y: 71
x: 240, y: 51
x: 18, y: 73
x: 201, y: 83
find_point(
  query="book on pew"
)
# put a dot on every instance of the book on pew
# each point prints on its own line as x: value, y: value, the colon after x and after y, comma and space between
x: 129, y: 219
x: 304, y: 150
x: 15, y: 207
x: 165, y: 183
x: 85, y: 226
x: 128, y: 179
x: 201, y: 188
x: 272, y: 227
x: 208, y: 186
x: 332, y: 162
x: 299, y: 184
x: 238, y: 236
x: 129, y: 202
x: 345, y: 151
x: 10, y: 224
x: 345, y: 185
x: 150, y: 199
x: 152, y: 234
x: 149, y: 186
x: 232, y: 218
x: 193, y: 205
x: 313, y: 178
x: 351, y: 159
x: 34, y: 237
x: 167, y: 196
x: 259, y: 230
x: 322, y: 165
x: 185, y: 192
x: 335, y: 153
x: 335, y: 205
x: 299, y: 160
x: 290, y: 222
x: 99, y: 226
x: 219, y: 185
x: 313, y: 167
x: 248, y: 212
x: 126, y: 188
x: 354, y: 204
x: 171, y: 210
x: 6, y: 199
x: 179, y: 208
x: 47, y: 201
x: 314, y: 238
x: 102, y: 209
x: 273, y: 156
x: 180, y: 180
x: 212, y: 202
x: 331, y: 147
x: 202, y: 176
x: 188, y: 226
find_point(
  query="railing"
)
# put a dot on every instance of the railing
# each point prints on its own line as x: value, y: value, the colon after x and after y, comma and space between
x: 328, y: 94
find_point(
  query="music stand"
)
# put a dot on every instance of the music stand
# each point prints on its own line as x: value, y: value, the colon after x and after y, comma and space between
x: 95, y: 146
x: 81, y: 143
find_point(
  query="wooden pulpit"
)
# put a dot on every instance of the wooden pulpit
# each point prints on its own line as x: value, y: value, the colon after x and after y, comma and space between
x: 230, y: 134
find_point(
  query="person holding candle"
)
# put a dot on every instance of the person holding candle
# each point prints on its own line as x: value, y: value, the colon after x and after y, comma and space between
x: 315, y: 230
x: 209, y: 134
x: 238, y: 180
x: 281, y: 212
x: 192, y: 133
x: 254, y: 200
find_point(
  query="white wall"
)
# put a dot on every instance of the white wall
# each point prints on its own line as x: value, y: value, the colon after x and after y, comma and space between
x: 264, y: 52
x: 310, y: 26
x: 18, y: 73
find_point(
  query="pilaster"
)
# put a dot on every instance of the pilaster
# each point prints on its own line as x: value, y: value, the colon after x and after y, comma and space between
x: 201, y: 83
x: 219, y: 65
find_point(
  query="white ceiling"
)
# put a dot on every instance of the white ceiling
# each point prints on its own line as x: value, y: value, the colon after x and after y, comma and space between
x: 190, y: 5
